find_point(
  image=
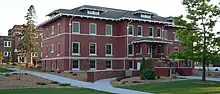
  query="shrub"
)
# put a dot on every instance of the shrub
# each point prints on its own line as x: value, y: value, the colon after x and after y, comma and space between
x: 7, y: 74
x: 54, y: 82
x: 74, y: 74
x: 200, y: 69
x: 25, y: 73
x: 39, y: 67
x: 216, y: 69
x: 14, y: 64
x: 64, y: 84
x: 15, y: 73
x: 124, y: 82
x: 149, y: 74
x: 44, y: 70
x: 136, y: 82
x: 158, y: 76
x: 41, y: 83
x: 122, y: 77
x: 143, y: 67
x: 71, y: 72
x: 52, y: 71
x: 59, y: 71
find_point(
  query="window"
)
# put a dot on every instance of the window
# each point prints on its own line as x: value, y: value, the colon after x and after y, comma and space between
x: 149, y: 49
x: 47, y: 32
x: 93, y: 12
x: 176, y: 49
x: 176, y: 38
x: 145, y: 16
x: 108, y: 64
x: 58, y: 49
x: 130, y: 49
x: 52, y: 30
x: 130, y: 29
x: 131, y: 65
x: 159, y: 34
x: 76, y: 27
x: 92, y: 28
x: 108, y: 49
x: 139, y: 30
x: 6, y: 54
x: 35, y: 54
x: 41, y: 44
x: 75, y: 48
x: 108, y: 30
x: 7, y: 43
x: 151, y: 31
x: 52, y: 48
x: 92, y: 49
x: 59, y: 28
x: 92, y: 64
x: 165, y: 34
x: 75, y: 65
x: 139, y: 50
x: 47, y: 51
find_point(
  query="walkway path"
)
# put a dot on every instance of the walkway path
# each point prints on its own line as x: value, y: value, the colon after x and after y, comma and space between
x: 199, y: 78
x: 99, y: 85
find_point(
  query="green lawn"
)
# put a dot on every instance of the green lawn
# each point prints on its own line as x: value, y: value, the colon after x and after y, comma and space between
x: 2, y: 70
x: 179, y: 87
x: 51, y: 91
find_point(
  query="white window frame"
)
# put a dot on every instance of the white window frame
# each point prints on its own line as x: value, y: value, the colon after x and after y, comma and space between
x: 78, y: 28
x: 58, y: 29
x: 131, y: 31
x: 95, y: 49
x: 160, y: 32
x: 106, y: 65
x: 92, y: 12
x: 78, y: 48
x: 107, y: 29
x: 141, y: 30
x: 149, y: 49
x: 132, y: 64
x: 132, y: 50
x: 41, y: 44
x: 90, y: 28
x: 175, y: 37
x: 78, y: 65
x: 52, y: 29
x: 8, y: 43
x: 178, y: 49
x: 7, y: 54
x: 58, y: 54
x: 106, y: 49
x: 52, y: 48
x: 95, y: 65
x: 152, y: 31
x: 34, y: 54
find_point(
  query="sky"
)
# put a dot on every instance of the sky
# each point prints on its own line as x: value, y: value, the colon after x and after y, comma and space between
x: 13, y: 11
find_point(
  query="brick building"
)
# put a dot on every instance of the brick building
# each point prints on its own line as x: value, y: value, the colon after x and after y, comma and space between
x: 106, y: 42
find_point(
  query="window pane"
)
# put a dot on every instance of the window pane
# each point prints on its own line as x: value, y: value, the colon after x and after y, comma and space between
x: 75, y: 64
x: 59, y: 29
x: 158, y: 32
x: 75, y: 48
x: 75, y: 27
x: 92, y: 64
x: 108, y: 64
x: 108, y: 49
x: 130, y: 49
x: 92, y: 48
x: 130, y: 64
x: 108, y: 30
x: 139, y: 30
x: 130, y: 30
x: 150, y: 31
x: 58, y: 48
x: 149, y: 49
x: 92, y: 28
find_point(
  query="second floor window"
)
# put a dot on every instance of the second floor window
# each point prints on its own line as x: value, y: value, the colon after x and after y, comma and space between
x: 58, y: 48
x: 52, y: 30
x: 150, y: 31
x: 176, y: 38
x: 75, y: 48
x: 130, y: 30
x: 108, y: 50
x: 92, y: 28
x: 76, y: 27
x: 92, y: 64
x: 59, y: 28
x: 108, y: 64
x: 92, y: 48
x: 139, y: 30
x: 52, y: 48
x: 108, y: 30
x: 7, y: 43
x: 159, y: 34
x: 130, y: 49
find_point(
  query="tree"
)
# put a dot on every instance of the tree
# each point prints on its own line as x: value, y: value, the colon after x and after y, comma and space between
x: 29, y: 43
x: 1, y: 57
x: 143, y: 67
x: 199, y: 43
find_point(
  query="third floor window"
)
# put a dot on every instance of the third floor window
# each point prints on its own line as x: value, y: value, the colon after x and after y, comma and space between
x: 108, y: 30
x: 59, y: 28
x: 7, y: 43
x: 130, y: 29
x: 139, y: 30
x: 76, y: 27
x: 92, y: 28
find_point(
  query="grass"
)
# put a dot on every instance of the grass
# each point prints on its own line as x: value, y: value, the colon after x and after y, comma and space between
x: 179, y: 87
x: 3, y: 70
x: 51, y: 91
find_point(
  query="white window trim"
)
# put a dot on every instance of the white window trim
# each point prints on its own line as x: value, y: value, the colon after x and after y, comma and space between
x: 52, y: 29
x: 111, y: 65
x: 132, y: 30
x: 152, y: 31
x: 132, y: 50
x: 95, y: 65
x: 52, y: 48
x: 160, y: 32
x: 8, y: 43
x: 78, y: 48
x: 58, y: 29
x: 149, y: 47
x: 58, y: 54
x: 106, y: 29
x: 95, y: 49
x: 141, y: 30
x: 7, y: 54
x: 106, y: 49
x: 78, y: 65
x: 95, y: 28
x: 72, y: 27
x: 132, y: 65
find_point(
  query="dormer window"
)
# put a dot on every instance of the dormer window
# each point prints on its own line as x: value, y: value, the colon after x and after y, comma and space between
x: 146, y: 16
x: 93, y: 12
x: 143, y: 14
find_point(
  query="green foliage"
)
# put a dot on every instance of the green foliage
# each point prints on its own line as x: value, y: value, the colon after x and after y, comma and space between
x: 41, y: 83
x: 143, y: 67
x: 122, y: 77
x: 1, y: 57
x: 149, y: 63
x: 149, y: 74
x: 9, y: 58
x: 64, y: 84
x: 54, y: 82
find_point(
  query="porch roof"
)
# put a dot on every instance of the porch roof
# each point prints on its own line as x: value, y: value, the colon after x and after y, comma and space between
x: 150, y: 40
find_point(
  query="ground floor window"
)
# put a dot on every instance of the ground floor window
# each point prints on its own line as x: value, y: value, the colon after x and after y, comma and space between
x: 131, y: 65
x: 75, y: 64
x: 108, y: 64
x: 92, y: 64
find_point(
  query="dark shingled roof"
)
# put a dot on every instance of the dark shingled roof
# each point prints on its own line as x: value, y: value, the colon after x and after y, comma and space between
x: 109, y: 13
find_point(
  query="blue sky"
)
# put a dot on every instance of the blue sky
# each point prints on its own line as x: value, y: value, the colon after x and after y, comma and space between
x: 13, y: 11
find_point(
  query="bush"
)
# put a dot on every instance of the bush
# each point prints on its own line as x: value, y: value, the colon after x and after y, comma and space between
x: 15, y: 73
x: 200, y: 69
x: 124, y: 82
x: 39, y: 67
x: 64, y: 84
x: 158, y: 77
x: 54, y: 82
x: 71, y: 72
x: 52, y: 71
x: 216, y: 69
x: 121, y: 78
x: 59, y: 72
x: 136, y: 82
x: 74, y: 74
x: 7, y: 74
x: 44, y: 70
x: 14, y: 64
x: 41, y: 83
x: 149, y: 74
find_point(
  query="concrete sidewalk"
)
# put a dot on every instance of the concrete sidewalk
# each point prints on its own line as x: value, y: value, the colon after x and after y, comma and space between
x: 101, y: 85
